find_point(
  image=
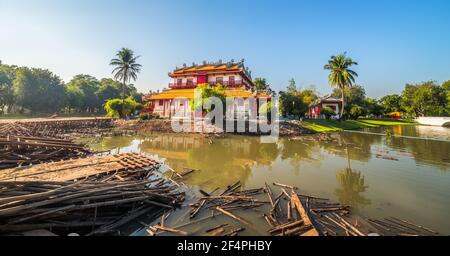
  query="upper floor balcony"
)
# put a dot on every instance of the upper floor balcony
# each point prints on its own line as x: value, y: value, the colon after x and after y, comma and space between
x: 191, y: 85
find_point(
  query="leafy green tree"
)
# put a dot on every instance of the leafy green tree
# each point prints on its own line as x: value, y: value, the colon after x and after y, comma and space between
x: 7, y: 76
x: 354, y: 96
x: 341, y: 76
x: 446, y: 87
x: 294, y: 101
x: 108, y: 89
x: 391, y: 103
x: 88, y: 85
x: 74, y: 98
x: 424, y: 99
x: 206, y: 93
x: 292, y: 86
x: 373, y: 107
x: 356, y: 112
x: 266, y: 110
x: 38, y: 90
x: 126, y: 69
x: 261, y: 85
x: 308, y: 96
x: 114, y: 107
x: 292, y: 104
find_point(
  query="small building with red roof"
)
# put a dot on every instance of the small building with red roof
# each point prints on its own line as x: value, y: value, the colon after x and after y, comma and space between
x: 315, y: 108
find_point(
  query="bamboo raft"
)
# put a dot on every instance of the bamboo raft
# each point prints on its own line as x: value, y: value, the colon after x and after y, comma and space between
x: 91, y: 196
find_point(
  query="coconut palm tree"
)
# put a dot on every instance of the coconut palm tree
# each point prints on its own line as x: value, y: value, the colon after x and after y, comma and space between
x: 126, y: 68
x: 341, y: 76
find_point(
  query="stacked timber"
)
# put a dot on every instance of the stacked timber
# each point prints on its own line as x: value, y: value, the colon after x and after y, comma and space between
x: 122, y: 167
x: 56, y: 128
x: 89, y: 196
x: 18, y: 151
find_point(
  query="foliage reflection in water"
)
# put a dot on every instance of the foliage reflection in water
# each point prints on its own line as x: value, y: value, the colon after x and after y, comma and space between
x: 377, y: 175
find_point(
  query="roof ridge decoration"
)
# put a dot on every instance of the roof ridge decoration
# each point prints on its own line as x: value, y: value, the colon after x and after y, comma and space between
x: 217, y: 64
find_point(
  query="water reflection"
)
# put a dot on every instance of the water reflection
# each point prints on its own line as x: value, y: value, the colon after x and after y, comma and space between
x: 410, y: 179
x: 434, y: 151
x: 355, y: 146
x: 297, y: 152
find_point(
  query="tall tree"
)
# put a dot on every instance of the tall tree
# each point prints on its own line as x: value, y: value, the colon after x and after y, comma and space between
x: 7, y: 76
x: 88, y: 85
x: 38, y: 90
x: 126, y: 68
x: 292, y: 86
x: 341, y: 76
x: 424, y: 99
x: 261, y: 85
x: 391, y: 103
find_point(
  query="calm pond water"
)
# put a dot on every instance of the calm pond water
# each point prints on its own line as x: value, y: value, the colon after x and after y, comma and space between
x: 379, y: 176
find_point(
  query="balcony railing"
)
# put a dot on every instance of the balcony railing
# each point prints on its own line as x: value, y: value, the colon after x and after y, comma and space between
x: 237, y: 83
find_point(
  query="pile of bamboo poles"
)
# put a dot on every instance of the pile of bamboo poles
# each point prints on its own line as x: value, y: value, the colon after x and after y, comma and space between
x: 84, y: 208
x: 287, y: 212
x: 88, y: 196
x: 21, y: 151
x: 307, y: 215
x: 56, y: 128
x: 121, y: 167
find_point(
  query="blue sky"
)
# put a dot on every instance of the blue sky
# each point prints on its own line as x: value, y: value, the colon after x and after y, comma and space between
x: 394, y: 41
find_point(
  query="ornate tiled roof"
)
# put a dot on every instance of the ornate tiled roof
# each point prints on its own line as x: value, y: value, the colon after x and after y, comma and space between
x: 219, y: 66
x: 189, y: 93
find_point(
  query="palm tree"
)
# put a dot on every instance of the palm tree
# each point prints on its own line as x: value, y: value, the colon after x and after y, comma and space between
x: 126, y: 68
x: 341, y: 76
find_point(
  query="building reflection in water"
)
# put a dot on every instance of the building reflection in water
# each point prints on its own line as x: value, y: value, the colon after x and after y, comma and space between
x: 221, y: 161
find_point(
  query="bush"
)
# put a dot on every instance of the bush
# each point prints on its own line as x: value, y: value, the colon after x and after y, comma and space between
x: 265, y: 110
x: 328, y: 112
x: 207, y: 92
x: 113, y: 107
x: 356, y: 112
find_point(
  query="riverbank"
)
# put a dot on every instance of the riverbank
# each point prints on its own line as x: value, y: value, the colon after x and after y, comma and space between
x: 287, y: 128
x: 324, y: 126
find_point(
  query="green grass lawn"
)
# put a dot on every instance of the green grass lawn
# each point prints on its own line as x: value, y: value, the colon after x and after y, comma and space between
x: 336, y: 126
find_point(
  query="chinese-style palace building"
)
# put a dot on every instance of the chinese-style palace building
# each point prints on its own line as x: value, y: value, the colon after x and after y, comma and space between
x: 316, y: 107
x: 234, y: 77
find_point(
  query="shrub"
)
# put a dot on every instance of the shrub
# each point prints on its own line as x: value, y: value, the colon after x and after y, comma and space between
x: 356, y: 112
x: 328, y: 112
x: 207, y: 92
x: 113, y: 107
x: 266, y: 110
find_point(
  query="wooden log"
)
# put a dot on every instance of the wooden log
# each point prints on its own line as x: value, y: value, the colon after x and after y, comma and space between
x: 353, y: 228
x: 415, y: 225
x: 229, y: 214
x: 171, y: 230
x: 234, y: 232
x: 295, y: 200
x: 286, y: 226
x: 285, y: 186
x: 269, y: 194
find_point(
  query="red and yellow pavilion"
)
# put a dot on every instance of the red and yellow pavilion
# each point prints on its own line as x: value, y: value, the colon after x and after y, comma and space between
x: 234, y: 77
